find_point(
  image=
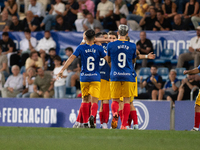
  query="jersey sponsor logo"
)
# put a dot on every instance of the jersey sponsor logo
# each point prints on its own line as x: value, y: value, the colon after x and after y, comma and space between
x: 121, y: 73
x: 88, y: 74
x: 143, y: 115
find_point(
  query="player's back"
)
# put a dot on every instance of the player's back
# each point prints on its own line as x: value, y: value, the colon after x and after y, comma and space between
x: 103, y: 65
x: 90, y: 57
x: 122, y: 53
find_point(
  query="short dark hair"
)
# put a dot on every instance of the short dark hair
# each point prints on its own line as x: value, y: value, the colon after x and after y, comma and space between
x: 52, y: 49
x: 34, y: 52
x: 59, y: 16
x: 47, y: 31
x: 90, y: 34
x: 104, y: 33
x: 69, y: 49
x: 86, y: 12
x: 113, y: 33
x: 39, y: 68
x: 160, y: 11
x: 57, y: 58
x: 128, y: 38
x: 154, y: 66
x: 5, y: 34
x: 98, y: 34
x: 27, y: 30
x: 14, y: 16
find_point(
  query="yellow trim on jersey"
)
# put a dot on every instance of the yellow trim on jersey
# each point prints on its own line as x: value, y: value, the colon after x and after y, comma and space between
x: 122, y: 40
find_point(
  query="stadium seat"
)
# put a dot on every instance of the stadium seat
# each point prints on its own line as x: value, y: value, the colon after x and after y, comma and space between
x: 141, y: 90
x: 163, y: 72
x: 70, y: 92
x: 144, y: 72
x: 166, y: 55
x: 180, y: 74
x: 62, y: 54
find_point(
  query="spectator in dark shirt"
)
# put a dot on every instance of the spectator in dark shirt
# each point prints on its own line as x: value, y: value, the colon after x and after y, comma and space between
x: 70, y: 14
x: 144, y: 46
x: 72, y: 68
x: 178, y: 24
x: 152, y: 84
x: 148, y: 22
x: 186, y: 86
x: 31, y: 22
x: 49, y: 64
x: 62, y: 25
x: 170, y: 89
x: 8, y: 46
x: 169, y: 9
x: 162, y: 24
x: 157, y: 4
x: 16, y: 24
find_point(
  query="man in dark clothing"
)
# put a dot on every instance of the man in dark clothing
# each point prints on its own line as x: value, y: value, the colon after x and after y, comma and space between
x: 16, y: 24
x: 162, y: 24
x: 144, y: 46
x: 148, y: 21
x: 178, y: 24
x: 62, y: 25
x: 186, y: 86
x: 7, y: 44
x: 152, y: 84
x: 70, y: 14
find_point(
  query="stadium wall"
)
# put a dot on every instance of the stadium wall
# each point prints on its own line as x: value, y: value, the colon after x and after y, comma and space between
x: 152, y: 115
x: 175, y: 40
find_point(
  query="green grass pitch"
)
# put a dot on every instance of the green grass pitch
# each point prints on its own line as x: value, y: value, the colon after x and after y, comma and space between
x: 25, y: 138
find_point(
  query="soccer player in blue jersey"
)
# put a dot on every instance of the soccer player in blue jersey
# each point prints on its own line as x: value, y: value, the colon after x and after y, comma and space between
x: 121, y: 55
x: 197, y: 103
x: 90, y: 75
x: 105, y: 84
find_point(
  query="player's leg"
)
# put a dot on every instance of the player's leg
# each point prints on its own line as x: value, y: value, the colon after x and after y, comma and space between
x: 94, y: 91
x: 154, y: 94
x: 197, y: 114
x: 133, y: 115
x: 126, y: 112
x: 85, y: 102
x: 127, y: 92
x: 121, y: 106
x: 115, y: 88
x: 101, y: 113
x: 105, y: 113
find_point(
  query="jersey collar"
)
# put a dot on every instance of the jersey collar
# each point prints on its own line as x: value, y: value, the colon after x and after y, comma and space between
x: 122, y: 40
x: 89, y: 44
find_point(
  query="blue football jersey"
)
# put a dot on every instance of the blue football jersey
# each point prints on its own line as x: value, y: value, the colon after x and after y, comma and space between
x: 90, y: 57
x: 121, y: 53
x: 103, y: 65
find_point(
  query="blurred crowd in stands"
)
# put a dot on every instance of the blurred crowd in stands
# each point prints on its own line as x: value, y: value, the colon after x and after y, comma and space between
x: 31, y: 71
x: 80, y: 15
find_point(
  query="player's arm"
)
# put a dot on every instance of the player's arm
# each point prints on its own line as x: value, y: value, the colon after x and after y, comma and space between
x: 108, y: 59
x: 134, y: 60
x: 101, y: 40
x: 193, y: 71
x: 149, y: 56
x: 66, y: 65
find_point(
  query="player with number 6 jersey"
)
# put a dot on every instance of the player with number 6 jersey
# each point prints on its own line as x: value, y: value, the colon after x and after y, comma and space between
x: 121, y: 54
x: 90, y: 75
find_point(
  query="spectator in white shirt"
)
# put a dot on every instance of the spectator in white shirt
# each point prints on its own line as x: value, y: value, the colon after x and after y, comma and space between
x: 37, y: 9
x: 104, y: 13
x: 29, y: 78
x: 46, y: 43
x: 57, y: 9
x: 92, y: 23
x: 14, y: 83
x: 29, y: 43
x: 59, y: 85
x: 194, y: 51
